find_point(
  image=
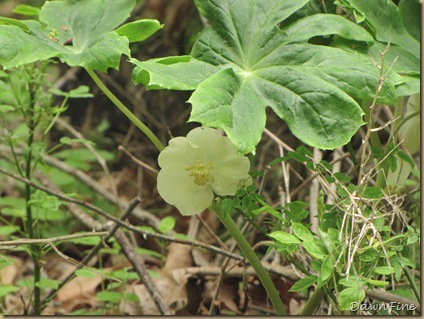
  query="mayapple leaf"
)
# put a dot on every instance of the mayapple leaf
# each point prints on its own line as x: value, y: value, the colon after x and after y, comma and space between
x: 84, y: 31
x: 182, y: 73
x: 248, y: 60
x: 26, y: 10
x: 411, y: 17
x: 139, y: 30
x: 80, y: 33
x: 398, y: 27
x: 23, y: 26
x: 319, y: 25
x: 387, y: 23
x: 20, y: 47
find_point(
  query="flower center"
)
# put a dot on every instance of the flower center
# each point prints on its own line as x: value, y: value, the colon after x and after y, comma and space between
x: 201, y: 173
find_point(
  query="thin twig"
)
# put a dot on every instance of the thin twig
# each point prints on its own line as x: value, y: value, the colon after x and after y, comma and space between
x: 96, y: 154
x: 381, y: 80
x: 140, y: 213
x: 81, y: 265
x: 123, y: 241
x: 30, y: 241
x: 64, y: 197
x: 140, y: 268
x: 276, y: 139
x: 385, y: 296
x: 98, y: 226
x: 211, y: 232
x: 87, y: 259
x: 314, y: 175
x: 136, y: 160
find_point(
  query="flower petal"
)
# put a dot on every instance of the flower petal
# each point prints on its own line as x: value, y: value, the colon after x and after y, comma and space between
x: 205, y: 156
x: 212, y: 142
x: 179, y: 189
x: 228, y: 175
x: 179, y: 154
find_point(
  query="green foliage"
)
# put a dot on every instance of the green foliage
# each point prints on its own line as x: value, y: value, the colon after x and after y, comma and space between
x: 349, y: 296
x: 79, y: 33
x: 244, y: 63
x: 166, y: 224
x: 355, y: 235
x: 7, y: 289
x: 139, y: 30
x: 398, y: 26
x: 45, y: 283
x: 114, y: 297
x: 303, y: 283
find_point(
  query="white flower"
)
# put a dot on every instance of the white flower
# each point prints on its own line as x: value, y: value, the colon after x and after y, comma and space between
x: 195, y: 167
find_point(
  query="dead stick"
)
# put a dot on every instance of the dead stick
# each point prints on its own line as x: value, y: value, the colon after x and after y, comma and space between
x: 98, y: 226
x: 86, y: 260
x: 30, y: 241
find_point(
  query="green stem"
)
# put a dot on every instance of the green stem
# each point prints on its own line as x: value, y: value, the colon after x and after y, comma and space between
x: 383, y: 168
x: 252, y: 258
x: 412, y: 283
x: 397, y: 116
x: 352, y: 154
x: 313, y: 302
x: 375, y: 140
x: 406, y: 119
x: 35, y: 253
x: 298, y: 265
x: 152, y: 137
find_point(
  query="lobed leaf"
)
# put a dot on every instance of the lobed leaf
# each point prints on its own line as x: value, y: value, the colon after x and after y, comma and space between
x: 250, y: 62
x: 173, y: 73
x: 399, y: 27
x: 78, y: 32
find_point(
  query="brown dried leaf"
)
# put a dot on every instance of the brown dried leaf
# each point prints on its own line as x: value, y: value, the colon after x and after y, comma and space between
x: 226, y: 296
x: 171, y: 287
x: 9, y: 273
x: 79, y: 288
x: 57, y: 267
x: 200, y: 256
x: 179, y: 256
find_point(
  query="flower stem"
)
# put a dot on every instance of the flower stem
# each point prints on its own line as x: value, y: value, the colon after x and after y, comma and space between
x: 252, y: 258
x: 152, y: 137
x: 313, y: 302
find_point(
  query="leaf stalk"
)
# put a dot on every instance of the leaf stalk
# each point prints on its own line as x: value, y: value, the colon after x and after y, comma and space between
x: 253, y: 259
x: 136, y: 121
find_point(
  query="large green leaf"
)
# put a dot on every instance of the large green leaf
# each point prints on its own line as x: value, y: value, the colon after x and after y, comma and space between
x: 245, y: 63
x: 398, y: 26
x: 78, y: 32
x: 182, y: 73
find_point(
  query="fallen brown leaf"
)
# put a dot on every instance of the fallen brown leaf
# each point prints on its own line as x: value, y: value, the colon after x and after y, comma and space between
x: 9, y: 273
